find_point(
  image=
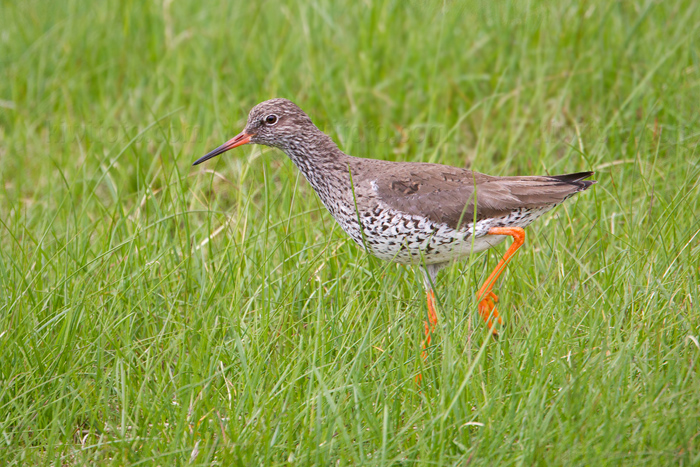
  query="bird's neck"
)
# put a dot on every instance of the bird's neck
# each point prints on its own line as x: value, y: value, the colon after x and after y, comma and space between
x: 323, y: 164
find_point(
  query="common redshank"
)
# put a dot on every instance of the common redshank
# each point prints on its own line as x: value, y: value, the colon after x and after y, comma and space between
x: 411, y: 213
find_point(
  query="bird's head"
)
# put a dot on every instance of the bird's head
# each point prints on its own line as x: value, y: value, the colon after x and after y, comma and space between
x: 276, y: 122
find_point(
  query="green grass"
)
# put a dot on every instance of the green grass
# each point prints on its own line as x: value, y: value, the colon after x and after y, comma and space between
x: 152, y: 313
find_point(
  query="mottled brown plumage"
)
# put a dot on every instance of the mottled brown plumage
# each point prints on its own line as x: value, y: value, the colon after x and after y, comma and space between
x: 409, y: 212
x: 446, y: 194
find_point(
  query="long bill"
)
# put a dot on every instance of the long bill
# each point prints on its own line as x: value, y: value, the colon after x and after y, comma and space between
x: 234, y: 142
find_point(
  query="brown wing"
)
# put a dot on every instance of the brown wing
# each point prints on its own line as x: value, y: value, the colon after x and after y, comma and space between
x: 446, y: 194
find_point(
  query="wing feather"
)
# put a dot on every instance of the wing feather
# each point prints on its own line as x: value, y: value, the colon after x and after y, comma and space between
x: 447, y: 194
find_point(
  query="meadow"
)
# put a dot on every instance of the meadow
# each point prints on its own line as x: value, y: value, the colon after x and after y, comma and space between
x: 155, y: 313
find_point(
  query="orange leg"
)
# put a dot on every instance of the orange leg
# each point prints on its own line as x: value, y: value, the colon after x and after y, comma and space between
x: 432, y: 321
x: 429, y: 328
x: 487, y: 299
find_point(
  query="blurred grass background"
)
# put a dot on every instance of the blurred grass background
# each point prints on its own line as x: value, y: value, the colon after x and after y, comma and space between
x: 152, y: 313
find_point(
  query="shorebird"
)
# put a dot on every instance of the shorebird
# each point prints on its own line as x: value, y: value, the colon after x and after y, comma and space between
x: 411, y: 213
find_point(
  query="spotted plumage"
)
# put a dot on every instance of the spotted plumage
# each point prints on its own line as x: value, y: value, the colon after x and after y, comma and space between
x: 407, y: 212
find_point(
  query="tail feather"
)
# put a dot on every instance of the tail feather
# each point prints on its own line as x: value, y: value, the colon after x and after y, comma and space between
x: 548, y: 189
x: 576, y: 179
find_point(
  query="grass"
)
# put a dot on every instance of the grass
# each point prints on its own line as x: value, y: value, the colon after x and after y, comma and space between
x: 152, y: 313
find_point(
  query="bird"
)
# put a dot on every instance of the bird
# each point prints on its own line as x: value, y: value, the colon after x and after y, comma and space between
x: 412, y: 213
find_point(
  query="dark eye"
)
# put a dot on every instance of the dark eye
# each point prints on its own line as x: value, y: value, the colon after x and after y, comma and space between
x: 271, y: 119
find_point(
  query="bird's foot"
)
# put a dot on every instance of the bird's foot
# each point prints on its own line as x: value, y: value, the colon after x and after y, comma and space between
x: 489, y: 312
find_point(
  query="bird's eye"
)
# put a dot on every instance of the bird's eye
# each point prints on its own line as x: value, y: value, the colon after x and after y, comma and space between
x: 271, y: 119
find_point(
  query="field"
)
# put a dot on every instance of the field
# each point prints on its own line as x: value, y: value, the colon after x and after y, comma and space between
x: 155, y: 313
